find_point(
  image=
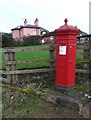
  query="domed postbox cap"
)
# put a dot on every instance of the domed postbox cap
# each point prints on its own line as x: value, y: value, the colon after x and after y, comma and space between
x: 67, y: 28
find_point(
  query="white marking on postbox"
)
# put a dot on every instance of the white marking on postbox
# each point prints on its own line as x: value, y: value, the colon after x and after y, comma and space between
x: 62, y: 50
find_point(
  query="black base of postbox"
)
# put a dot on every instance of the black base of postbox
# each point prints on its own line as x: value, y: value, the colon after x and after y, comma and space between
x: 65, y: 88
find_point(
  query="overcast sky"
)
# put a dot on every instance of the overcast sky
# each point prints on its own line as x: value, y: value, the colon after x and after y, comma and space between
x: 51, y: 13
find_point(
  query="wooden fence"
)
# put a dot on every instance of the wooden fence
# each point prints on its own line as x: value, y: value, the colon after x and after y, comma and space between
x: 10, y: 61
x: 84, y: 48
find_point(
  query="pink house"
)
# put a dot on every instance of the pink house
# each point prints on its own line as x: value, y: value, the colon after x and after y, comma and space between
x: 28, y: 30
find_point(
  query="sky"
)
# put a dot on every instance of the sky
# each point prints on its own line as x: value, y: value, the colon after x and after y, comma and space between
x: 51, y: 13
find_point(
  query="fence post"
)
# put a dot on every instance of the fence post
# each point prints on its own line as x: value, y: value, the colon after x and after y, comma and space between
x: 10, y: 65
x: 89, y: 61
x: 52, y: 60
x: 7, y: 66
x: 13, y: 68
x: 86, y: 65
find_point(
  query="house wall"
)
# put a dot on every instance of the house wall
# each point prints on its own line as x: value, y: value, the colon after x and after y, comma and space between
x: 21, y: 33
x: 15, y: 34
x: 25, y: 32
x: 29, y: 31
x: 38, y: 32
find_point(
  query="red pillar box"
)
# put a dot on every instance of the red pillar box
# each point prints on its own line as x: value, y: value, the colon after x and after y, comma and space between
x: 66, y: 37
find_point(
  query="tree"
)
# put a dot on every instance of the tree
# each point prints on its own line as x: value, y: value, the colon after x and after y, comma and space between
x: 7, y: 40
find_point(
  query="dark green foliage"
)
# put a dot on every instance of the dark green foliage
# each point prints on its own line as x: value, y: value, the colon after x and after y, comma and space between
x: 17, y: 43
x: 32, y: 40
x: 28, y: 41
x: 7, y: 40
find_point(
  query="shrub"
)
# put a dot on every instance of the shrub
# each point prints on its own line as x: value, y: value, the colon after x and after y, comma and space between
x: 32, y: 40
x: 7, y: 40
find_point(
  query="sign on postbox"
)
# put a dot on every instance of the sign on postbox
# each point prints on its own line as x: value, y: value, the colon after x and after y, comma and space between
x: 62, y: 50
x: 66, y: 37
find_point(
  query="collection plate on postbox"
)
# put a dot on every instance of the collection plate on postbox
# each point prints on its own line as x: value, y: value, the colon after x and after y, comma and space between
x: 62, y: 50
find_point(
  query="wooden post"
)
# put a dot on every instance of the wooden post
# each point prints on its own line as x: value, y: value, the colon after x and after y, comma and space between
x: 10, y: 57
x: 52, y: 60
x: 11, y: 66
x: 86, y: 65
x: 86, y: 53
x: 8, y: 67
x: 90, y: 61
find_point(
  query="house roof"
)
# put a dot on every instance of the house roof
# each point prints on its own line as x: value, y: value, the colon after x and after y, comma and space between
x: 44, y: 30
x: 83, y: 33
x: 25, y: 26
x: 48, y: 34
x: 30, y: 26
x: 52, y: 34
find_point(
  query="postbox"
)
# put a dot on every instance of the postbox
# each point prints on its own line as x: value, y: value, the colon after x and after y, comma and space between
x: 66, y: 37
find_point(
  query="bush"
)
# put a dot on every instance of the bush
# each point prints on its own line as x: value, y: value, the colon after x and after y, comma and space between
x: 7, y: 40
x: 32, y: 40
x: 18, y: 43
x: 27, y: 41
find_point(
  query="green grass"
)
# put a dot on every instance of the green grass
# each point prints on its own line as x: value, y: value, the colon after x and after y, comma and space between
x: 83, y: 87
x: 35, y: 55
x: 27, y: 106
x: 79, y: 57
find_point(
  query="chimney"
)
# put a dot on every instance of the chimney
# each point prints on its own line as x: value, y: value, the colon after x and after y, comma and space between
x: 25, y: 22
x: 36, y: 22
